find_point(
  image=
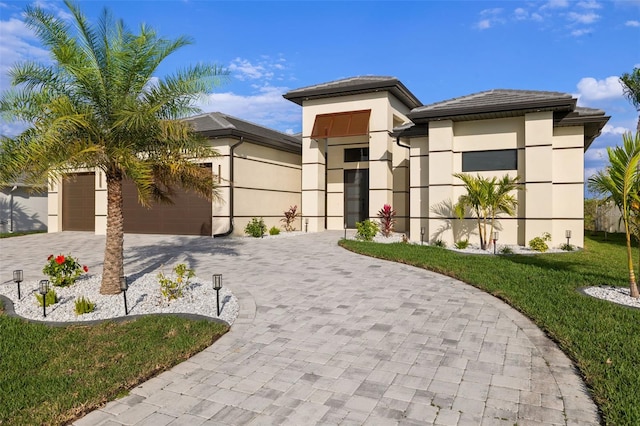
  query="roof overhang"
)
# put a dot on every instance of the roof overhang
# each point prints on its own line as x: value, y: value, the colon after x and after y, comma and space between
x: 593, y: 121
x: 253, y: 138
x: 341, y: 124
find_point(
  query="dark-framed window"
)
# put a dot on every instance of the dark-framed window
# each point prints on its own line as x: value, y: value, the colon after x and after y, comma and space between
x: 352, y: 155
x: 480, y: 161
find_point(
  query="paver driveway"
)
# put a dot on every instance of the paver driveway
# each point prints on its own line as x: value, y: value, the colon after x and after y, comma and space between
x: 326, y: 336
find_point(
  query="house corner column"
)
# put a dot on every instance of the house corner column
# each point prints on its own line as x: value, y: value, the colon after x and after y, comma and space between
x: 440, y: 180
x: 314, y: 182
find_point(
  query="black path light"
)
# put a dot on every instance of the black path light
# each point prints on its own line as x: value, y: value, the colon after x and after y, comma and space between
x: 567, y: 234
x: 17, y: 278
x: 124, y: 286
x: 495, y: 238
x: 306, y: 224
x: 217, y: 285
x: 43, y: 289
x: 422, y: 235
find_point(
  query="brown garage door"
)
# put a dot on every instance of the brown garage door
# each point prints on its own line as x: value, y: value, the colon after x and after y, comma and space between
x: 79, y: 202
x: 189, y: 215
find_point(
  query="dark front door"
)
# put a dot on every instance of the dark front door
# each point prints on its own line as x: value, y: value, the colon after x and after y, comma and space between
x: 79, y: 202
x: 356, y: 196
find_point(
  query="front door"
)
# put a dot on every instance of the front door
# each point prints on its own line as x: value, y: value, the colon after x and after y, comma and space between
x: 356, y: 196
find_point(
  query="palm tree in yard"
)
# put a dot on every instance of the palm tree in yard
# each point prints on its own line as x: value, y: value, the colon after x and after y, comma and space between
x: 620, y: 182
x: 631, y: 88
x: 98, y: 105
x: 486, y: 198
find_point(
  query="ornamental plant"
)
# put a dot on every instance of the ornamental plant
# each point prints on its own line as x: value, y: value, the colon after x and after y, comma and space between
x: 387, y: 217
x: 62, y: 270
x: 540, y: 243
x: 84, y: 306
x: 49, y: 299
x: 367, y: 229
x: 290, y: 217
x: 256, y: 228
x: 173, y: 288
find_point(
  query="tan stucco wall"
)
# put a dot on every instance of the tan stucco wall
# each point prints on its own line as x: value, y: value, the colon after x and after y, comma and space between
x: 388, y: 164
x: 550, y: 166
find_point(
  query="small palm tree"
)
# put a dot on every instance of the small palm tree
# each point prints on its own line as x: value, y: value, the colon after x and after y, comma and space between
x: 631, y: 88
x: 100, y: 106
x: 486, y: 198
x: 619, y: 182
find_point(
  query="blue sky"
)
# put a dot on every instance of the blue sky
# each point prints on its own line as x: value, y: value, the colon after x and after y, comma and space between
x: 438, y: 49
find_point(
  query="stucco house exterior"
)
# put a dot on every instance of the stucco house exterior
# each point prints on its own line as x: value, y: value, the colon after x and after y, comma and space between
x: 22, y: 208
x: 258, y: 173
x: 365, y: 142
x: 414, y: 150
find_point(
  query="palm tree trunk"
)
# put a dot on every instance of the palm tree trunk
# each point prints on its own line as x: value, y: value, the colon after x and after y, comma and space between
x: 113, y: 267
x: 482, y: 242
x: 633, y: 287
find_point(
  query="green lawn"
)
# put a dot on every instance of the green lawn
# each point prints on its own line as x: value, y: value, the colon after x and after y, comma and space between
x: 51, y: 375
x: 19, y: 233
x: 602, y: 338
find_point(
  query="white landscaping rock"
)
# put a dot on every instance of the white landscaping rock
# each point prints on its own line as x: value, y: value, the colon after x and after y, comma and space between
x: 143, y: 297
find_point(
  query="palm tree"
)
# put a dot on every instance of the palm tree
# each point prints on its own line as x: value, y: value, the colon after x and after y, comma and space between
x: 631, y: 87
x: 99, y: 106
x: 486, y: 198
x: 620, y: 183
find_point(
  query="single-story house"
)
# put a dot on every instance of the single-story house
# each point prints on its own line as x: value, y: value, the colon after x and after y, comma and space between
x: 22, y: 208
x: 366, y: 142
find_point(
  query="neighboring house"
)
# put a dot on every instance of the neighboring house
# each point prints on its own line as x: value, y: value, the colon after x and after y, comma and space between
x: 539, y: 136
x: 258, y: 173
x: 366, y: 142
x: 23, y: 208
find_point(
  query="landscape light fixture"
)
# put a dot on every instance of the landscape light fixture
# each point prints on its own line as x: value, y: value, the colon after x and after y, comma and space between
x: 217, y: 285
x: 495, y: 238
x: 306, y: 224
x: 124, y: 286
x: 345, y: 230
x: 17, y: 278
x: 567, y: 234
x: 422, y: 235
x: 43, y: 289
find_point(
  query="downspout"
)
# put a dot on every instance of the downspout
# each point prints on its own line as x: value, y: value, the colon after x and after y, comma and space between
x: 400, y: 145
x: 231, y: 185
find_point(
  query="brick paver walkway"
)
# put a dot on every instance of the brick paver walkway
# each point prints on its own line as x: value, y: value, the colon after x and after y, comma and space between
x: 326, y: 336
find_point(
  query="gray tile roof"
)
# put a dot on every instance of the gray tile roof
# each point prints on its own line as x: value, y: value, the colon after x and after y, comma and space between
x: 497, y: 101
x: 352, y: 86
x: 217, y: 124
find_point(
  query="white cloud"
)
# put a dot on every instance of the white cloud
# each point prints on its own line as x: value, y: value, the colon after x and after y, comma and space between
x: 581, y: 32
x: 555, y: 4
x: 583, y: 18
x: 597, y: 154
x: 266, y: 107
x: 521, y: 14
x: 589, y: 4
x: 483, y: 24
x: 591, y: 89
x: 632, y: 23
x: 614, y: 130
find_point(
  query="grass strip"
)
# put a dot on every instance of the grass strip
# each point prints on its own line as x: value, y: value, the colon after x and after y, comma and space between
x: 599, y: 336
x: 52, y: 375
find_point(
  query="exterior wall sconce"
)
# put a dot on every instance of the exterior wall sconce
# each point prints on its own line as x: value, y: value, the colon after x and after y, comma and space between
x: 124, y: 286
x: 567, y: 234
x: 422, y: 235
x: 217, y: 285
x: 306, y: 224
x: 17, y: 278
x: 43, y: 289
x: 495, y: 238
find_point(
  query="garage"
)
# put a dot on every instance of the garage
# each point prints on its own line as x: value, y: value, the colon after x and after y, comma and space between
x: 79, y: 202
x: 189, y: 215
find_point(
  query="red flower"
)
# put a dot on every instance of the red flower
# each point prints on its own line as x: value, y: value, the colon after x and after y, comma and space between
x: 86, y: 269
x: 60, y: 259
x: 50, y: 257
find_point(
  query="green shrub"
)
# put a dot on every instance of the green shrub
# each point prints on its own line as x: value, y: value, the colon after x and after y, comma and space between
x: 462, y: 244
x: 506, y: 250
x: 174, y: 288
x: 50, y: 298
x: 63, y: 270
x: 438, y: 243
x: 256, y: 228
x: 274, y: 231
x: 567, y: 247
x: 84, y: 306
x: 367, y: 229
x: 540, y: 243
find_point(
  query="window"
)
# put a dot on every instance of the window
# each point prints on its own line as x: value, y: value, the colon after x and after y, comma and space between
x: 352, y: 155
x: 479, y: 161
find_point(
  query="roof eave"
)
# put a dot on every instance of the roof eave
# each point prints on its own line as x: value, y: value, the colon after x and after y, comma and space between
x: 289, y: 146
